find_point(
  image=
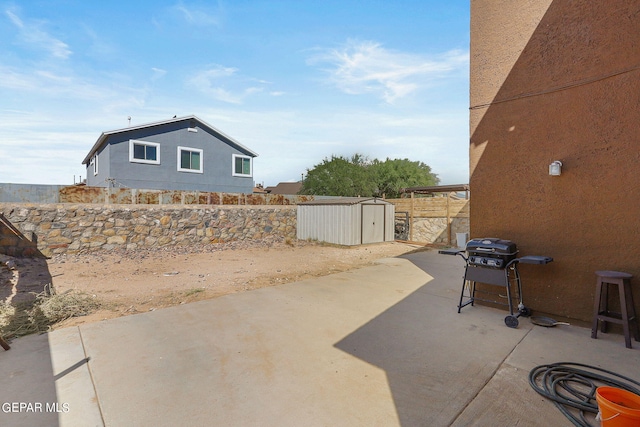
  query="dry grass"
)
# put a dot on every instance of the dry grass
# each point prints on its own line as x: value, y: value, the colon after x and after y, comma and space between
x: 193, y: 291
x: 47, y: 309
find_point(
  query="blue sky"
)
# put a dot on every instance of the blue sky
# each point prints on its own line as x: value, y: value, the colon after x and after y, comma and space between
x: 295, y: 81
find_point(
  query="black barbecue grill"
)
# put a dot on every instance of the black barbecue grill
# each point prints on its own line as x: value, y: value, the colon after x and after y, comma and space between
x: 491, y: 253
x: 494, y: 262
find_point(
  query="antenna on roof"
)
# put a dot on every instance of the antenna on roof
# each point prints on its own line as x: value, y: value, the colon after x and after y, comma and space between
x: 129, y: 118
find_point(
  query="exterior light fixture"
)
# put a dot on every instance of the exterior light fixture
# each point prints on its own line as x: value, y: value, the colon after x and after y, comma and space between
x: 555, y: 168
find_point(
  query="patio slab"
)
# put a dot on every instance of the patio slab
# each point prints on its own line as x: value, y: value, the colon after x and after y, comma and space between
x: 383, y: 345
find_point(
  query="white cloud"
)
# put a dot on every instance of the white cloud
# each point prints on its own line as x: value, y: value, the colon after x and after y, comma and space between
x: 52, y: 78
x: 214, y: 81
x: 218, y: 71
x: 100, y: 47
x: 198, y: 16
x: 32, y: 34
x: 11, y: 79
x: 367, y: 67
x: 158, y: 73
x: 49, y: 152
x: 14, y: 18
x: 47, y: 83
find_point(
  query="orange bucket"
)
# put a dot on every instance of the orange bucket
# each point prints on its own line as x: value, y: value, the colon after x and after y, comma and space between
x: 618, y: 408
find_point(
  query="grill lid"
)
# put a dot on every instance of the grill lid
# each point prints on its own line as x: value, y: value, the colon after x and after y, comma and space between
x: 492, y: 245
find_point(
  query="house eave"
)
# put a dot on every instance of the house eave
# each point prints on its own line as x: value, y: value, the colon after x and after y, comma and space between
x: 103, y: 137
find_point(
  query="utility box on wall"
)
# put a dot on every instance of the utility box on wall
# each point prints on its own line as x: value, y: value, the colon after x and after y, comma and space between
x: 346, y: 221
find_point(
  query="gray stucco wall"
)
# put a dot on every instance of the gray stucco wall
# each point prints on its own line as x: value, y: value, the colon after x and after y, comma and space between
x: 104, y: 169
x: 217, y: 157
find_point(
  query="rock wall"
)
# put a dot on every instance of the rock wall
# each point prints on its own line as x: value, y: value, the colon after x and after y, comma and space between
x: 429, y: 217
x: 62, y: 228
x: 13, y: 242
x: 434, y: 230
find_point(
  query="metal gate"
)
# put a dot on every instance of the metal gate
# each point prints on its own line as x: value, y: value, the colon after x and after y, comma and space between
x: 401, y: 226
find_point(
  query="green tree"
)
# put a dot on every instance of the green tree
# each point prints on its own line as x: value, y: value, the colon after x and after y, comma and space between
x: 394, y: 174
x: 359, y: 176
x: 339, y: 176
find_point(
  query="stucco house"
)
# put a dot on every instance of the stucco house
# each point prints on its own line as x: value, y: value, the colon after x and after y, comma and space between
x: 183, y: 153
x: 558, y: 81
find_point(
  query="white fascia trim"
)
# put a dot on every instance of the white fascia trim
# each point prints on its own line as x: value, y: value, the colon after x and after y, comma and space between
x: 152, y: 144
x: 201, y: 170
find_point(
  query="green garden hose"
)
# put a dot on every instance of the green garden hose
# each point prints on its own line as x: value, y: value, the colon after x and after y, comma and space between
x: 572, y: 387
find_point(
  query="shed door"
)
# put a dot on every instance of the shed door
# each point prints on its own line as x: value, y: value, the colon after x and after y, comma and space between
x: 372, y: 223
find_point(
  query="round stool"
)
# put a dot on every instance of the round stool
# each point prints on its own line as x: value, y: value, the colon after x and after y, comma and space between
x: 627, y: 316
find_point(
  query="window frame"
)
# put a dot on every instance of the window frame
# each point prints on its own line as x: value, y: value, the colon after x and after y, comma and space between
x: 233, y: 165
x: 133, y: 142
x: 94, y: 162
x: 190, y: 149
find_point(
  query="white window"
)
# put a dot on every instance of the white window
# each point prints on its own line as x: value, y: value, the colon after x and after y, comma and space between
x: 190, y: 159
x: 144, y: 152
x: 241, y: 165
x: 94, y: 164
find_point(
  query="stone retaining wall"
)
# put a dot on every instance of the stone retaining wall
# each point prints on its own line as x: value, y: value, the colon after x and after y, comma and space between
x: 434, y: 230
x: 61, y: 228
x: 13, y: 242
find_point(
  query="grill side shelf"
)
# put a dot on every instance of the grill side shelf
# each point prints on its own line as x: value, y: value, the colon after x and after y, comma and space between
x: 450, y: 251
x: 535, y: 259
x: 460, y: 252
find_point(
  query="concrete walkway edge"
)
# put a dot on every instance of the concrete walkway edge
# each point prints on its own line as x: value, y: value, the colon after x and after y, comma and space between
x: 77, y: 399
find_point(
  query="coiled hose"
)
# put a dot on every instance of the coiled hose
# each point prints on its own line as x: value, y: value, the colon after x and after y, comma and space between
x: 572, y: 387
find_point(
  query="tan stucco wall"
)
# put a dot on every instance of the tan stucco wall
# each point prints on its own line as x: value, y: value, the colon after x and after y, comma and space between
x: 556, y: 80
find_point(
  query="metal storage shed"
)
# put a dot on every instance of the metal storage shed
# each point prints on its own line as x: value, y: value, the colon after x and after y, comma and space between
x: 346, y: 220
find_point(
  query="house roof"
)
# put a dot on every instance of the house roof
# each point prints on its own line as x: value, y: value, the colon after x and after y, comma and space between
x: 103, y: 137
x: 436, y: 189
x: 285, y: 188
x: 344, y: 201
x: 259, y: 190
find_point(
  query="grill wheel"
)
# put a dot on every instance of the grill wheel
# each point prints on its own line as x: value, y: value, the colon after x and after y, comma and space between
x: 512, y: 321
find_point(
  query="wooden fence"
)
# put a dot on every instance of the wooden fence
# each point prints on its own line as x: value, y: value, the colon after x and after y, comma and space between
x: 442, y: 216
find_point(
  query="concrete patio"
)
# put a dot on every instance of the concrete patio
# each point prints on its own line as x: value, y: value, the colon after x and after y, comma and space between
x: 379, y: 346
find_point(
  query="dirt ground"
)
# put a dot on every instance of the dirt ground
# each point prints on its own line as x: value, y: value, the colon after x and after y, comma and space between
x: 134, y: 282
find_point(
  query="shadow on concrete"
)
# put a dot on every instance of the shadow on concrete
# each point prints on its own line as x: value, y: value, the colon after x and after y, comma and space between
x: 24, y: 272
x: 412, y: 342
x: 28, y: 393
